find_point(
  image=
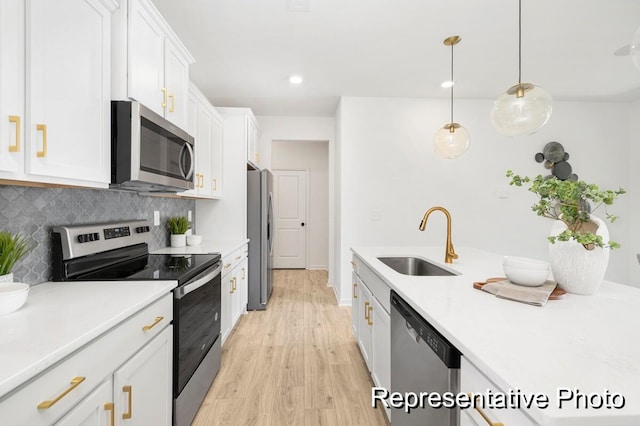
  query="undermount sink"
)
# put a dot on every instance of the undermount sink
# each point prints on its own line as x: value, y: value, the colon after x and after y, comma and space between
x: 408, y: 265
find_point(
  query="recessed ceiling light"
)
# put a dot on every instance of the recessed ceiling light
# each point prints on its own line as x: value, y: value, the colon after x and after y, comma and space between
x: 295, y: 79
x: 446, y: 84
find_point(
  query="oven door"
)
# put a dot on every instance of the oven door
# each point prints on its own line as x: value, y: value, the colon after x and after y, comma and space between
x: 196, y: 323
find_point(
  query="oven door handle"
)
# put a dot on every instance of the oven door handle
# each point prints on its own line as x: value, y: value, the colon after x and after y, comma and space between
x: 182, y: 291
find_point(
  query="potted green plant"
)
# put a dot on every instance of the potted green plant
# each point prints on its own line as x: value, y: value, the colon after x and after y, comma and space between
x: 13, y: 247
x: 579, y: 241
x: 178, y: 225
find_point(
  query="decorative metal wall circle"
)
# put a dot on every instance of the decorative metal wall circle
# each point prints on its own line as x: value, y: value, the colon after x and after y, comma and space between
x: 555, y: 158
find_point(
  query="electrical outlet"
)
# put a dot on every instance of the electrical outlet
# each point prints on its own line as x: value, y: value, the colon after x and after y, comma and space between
x: 156, y: 218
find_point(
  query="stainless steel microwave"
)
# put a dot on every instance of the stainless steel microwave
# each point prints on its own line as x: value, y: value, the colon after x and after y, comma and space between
x: 148, y: 153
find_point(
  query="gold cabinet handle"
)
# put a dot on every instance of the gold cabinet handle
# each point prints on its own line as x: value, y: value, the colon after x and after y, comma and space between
x: 355, y: 290
x: 238, y: 257
x: 172, y: 107
x: 16, y: 146
x: 244, y: 274
x: 112, y: 415
x: 75, y: 382
x: 127, y: 389
x: 483, y: 415
x: 200, y: 180
x: 231, y: 285
x: 235, y: 282
x: 227, y: 265
x: 149, y: 327
x: 215, y: 184
x: 366, y: 311
x: 354, y: 264
x: 164, y: 97
x: 42, y: 128
x: 370, y: 319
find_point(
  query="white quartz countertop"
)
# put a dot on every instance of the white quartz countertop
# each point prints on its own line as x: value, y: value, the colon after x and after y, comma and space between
x: 208, y: 245
x: 588, y: 343
x: 61, y: 317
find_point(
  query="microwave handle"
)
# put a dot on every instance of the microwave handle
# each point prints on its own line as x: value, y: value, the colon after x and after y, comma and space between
x: 189, y: 174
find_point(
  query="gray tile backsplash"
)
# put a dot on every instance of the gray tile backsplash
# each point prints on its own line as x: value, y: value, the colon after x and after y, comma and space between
x: 34, y: 211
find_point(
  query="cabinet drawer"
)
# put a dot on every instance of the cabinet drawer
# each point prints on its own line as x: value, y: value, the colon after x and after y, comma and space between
x: 233, y: 259
x: 473, y: 380
x: 378, y: 288
x: 48, y: 396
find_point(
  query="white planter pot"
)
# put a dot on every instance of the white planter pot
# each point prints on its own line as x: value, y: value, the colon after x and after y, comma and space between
x: 574, y: 268
x: 178, y: 240
x: 8, y: 278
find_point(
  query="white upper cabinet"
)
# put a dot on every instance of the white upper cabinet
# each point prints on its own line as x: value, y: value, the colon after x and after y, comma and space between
x: 206, y: 125
x: 253, y: 140
x: 11, y: 87
x: 55, y: 123
x: 151, y: 65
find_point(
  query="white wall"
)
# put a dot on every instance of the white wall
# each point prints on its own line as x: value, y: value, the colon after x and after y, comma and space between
x: 634, y: 194
x: 314, y: 157
x: 389, y: 176
x: 300, y: 129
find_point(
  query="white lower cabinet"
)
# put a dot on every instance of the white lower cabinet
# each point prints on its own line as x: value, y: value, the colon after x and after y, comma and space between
x: 235, y: 278
x: 355, y: 306
x: 127, y: 370
x: 473, y: 380
x: 97, y: 409
x: 142, y: 386
x: 380, y: 345
x: 364, y: 323
x: 371, y: 323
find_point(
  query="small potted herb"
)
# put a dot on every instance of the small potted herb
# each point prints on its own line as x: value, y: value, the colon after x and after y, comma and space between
x: 13, y: 247
x: 178, y: 226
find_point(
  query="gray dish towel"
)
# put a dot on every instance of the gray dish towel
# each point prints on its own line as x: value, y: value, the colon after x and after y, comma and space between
x: 537, y: 296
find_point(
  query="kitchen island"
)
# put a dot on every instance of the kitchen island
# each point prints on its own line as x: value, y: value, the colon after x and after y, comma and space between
x: 579, y: 344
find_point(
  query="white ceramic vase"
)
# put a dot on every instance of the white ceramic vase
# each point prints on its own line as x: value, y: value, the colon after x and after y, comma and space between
x: 178, y: 240
x: 574, y: 268
x: 8, y: 278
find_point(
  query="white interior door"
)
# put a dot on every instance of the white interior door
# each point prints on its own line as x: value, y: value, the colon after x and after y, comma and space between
x: 290, y: 213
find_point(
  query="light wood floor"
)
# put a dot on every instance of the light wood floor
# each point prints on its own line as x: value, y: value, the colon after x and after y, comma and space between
x: 296, y: 363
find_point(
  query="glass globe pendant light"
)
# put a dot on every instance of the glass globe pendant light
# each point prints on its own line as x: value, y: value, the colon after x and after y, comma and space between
x: 524, y: 108
x: 452, y: 140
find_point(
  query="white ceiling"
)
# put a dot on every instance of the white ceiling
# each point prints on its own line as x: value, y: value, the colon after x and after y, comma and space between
x: 245, y: 50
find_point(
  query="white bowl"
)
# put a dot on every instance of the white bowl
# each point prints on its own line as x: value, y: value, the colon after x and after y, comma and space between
x: 12, y: 296
x: 194, y: 240
x: 531, y: 277
x: 525, y: 263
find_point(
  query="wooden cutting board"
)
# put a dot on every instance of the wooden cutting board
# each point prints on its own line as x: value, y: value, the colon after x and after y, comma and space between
x: 558, y: 293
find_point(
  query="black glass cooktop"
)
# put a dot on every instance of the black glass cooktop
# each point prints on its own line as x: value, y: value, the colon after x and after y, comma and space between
x: 155, y: 267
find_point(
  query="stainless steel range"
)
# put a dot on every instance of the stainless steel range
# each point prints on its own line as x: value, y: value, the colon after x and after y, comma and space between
x: 119, y: 252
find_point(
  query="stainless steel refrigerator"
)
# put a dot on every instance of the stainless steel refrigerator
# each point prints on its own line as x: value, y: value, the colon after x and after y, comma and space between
x: 260, y: 234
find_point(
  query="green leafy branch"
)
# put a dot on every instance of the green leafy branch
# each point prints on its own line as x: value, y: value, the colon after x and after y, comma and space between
x: 570, y: 202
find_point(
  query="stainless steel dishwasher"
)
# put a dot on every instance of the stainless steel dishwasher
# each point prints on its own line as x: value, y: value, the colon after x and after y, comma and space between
x: 422, y: 360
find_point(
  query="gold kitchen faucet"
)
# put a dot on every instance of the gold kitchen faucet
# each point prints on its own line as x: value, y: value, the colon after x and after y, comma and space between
x: 449, y: 253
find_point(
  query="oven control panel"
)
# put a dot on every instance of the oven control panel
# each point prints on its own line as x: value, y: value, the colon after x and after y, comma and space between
x: 118, y: 232
x: 83, y: 240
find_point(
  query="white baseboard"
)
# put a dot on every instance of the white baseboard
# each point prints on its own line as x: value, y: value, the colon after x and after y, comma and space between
x: 317, y: 268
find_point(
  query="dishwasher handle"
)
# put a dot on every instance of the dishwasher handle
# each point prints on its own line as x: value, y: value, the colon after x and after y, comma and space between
x: 412, y: 332
x: 425, y: 332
